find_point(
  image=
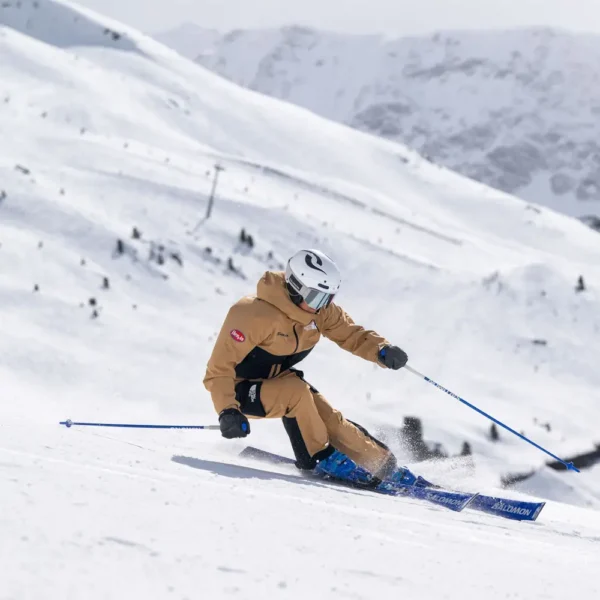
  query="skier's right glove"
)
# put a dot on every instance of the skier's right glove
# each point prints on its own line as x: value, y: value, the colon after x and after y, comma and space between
x: 393, y: 357
x: 233, y: 424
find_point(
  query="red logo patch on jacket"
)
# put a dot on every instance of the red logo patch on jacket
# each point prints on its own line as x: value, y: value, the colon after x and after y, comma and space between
x: 237, y: 335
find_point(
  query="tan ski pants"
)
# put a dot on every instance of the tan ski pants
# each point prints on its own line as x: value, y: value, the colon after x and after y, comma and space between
x: 311, y: 422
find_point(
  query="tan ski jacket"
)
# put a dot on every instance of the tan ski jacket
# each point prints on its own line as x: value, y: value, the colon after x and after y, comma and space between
x: 263, y: 336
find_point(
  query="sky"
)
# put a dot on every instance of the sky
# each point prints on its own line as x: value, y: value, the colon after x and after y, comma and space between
x: 396, y: 17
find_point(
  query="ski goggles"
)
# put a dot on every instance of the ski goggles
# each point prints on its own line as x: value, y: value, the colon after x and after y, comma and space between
x: 316, y: 299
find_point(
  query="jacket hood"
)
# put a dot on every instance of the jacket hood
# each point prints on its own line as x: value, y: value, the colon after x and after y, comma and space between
x: 271, y: 288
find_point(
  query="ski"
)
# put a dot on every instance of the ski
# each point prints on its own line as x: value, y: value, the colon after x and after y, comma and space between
x: 516, y: 510
x: 270, y: 457
x: 455, y: 501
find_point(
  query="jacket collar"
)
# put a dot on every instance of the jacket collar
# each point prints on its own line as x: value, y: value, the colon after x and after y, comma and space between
x: 271, y: 288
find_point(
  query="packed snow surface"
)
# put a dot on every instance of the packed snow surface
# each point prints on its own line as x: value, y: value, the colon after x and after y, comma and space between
x: 105, y: 130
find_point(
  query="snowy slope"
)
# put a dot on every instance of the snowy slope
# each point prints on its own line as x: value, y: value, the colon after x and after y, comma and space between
x: 517, y: 110
x: 108, y: 130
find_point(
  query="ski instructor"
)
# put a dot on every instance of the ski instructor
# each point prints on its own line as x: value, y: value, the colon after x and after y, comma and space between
x: 251, y: 371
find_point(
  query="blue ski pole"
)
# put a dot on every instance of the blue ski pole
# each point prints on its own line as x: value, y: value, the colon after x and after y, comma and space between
x: 570, y: 466
x: 69, y: 423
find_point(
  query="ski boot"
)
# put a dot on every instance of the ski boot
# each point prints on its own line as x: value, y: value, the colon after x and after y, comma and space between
x: 401, y: 478
x: 342, y: 468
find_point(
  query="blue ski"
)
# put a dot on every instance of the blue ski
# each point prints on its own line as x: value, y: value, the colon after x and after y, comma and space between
x: 516, y: 510
x: 455, y: 501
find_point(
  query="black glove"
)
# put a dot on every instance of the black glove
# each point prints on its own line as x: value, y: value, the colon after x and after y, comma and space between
x: 393, y: 357
x: 233, y: 424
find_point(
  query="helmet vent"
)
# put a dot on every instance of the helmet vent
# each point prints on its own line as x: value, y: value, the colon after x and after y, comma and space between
x: 295, y: 283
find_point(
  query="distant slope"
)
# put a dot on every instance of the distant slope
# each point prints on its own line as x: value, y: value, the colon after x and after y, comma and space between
x: 188, y: 39
x: 517, y: 110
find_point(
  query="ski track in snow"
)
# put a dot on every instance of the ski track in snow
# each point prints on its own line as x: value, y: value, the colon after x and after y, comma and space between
x: 109, y: 130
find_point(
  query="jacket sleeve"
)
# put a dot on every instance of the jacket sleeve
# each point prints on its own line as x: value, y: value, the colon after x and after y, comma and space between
x: 241, y: 332
x: 337, y: 326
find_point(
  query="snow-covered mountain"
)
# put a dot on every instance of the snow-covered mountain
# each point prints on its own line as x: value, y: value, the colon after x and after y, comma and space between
x: 517, y: 110
x: 112, y: 289
x: 188, y: 38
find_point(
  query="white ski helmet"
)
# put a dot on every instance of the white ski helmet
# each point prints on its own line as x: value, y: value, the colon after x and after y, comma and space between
x: 313, y: 277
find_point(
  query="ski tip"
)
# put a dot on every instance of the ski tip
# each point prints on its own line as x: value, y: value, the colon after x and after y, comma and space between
x: 67, y: 423
x: 537, y: 511
x: 572, y: 467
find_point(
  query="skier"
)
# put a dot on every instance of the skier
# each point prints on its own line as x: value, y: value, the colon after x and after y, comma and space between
x: 251, y: 372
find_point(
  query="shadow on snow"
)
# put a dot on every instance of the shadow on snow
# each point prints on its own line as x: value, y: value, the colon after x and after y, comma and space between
x: 243, y: 472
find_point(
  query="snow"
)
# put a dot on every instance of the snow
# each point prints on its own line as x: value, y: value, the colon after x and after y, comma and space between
x: 516, y: 109
x: 111, y: 134
x: 163, y: 516
x: 188, y: 39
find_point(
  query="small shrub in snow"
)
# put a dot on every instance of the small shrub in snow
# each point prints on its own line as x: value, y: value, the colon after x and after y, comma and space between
x: 246, y: 239
x: 466, y: 449
x: 176, y: 256
x: 494, y: 435
x: 115, y: 36
x: 119, y: 248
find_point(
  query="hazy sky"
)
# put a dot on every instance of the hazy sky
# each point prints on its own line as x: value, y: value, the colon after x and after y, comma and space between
x: 364, y: 16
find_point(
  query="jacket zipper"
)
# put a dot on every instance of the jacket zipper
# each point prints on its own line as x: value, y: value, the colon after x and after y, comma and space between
x: 297, y: 340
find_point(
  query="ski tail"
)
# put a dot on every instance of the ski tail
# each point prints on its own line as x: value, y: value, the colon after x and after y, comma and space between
x: 263, y: 455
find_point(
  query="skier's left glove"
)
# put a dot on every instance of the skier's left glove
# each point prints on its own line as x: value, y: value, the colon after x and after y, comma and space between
x: 233, y: 424
x: 393, y: 357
